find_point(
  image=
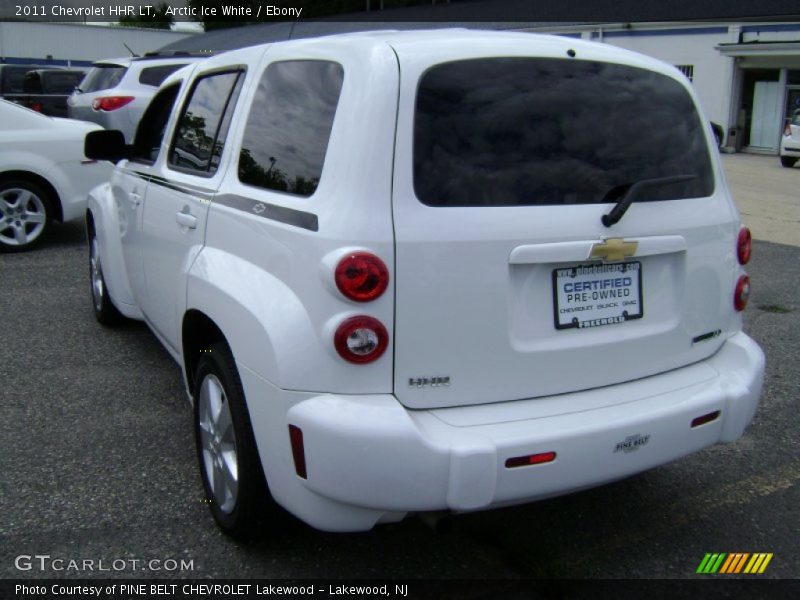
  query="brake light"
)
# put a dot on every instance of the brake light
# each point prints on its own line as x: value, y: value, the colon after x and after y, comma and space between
x: 110, y: 103
x: 36, y: 106
x: 744, y: 245
x: 361, y: 276
x: 742, y: 293
x: 361, y: 339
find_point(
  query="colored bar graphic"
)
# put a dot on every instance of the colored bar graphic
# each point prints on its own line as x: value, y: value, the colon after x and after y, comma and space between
x: 733, y: 563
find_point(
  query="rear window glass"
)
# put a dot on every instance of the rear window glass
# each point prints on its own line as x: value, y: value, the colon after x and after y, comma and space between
x: 287, y: 133
x: 102, y: 77
x: 61, y: 82
x: 155, y: 76
x: 531, y: 131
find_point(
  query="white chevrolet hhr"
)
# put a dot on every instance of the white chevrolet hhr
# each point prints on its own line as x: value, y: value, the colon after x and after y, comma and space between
x: 419, y: 271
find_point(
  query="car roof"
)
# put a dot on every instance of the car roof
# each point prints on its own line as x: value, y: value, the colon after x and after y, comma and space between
x: 410, y: 44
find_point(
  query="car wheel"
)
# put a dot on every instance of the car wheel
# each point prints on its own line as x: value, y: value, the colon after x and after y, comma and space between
x: 230, y: 466
x: 788, y: 161
x: 25, y: 215
x: 104, y: 309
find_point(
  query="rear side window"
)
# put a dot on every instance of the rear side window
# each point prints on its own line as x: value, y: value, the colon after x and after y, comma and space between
x: 102, y: 77
x: 203, y: 125
x: 13, y: 79
x: 290, y: 123
x: 535, y: 131
x: 155, y: 76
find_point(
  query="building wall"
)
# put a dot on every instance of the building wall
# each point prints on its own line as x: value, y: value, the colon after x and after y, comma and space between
x: 76, y: 44
x: 689, y: 46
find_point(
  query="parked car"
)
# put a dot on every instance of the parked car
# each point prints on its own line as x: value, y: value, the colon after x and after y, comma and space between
x: 46, y: 90
x: 44, y: 175
x: 400, y: 275
x: 115, y: 92
x: 790, y: 141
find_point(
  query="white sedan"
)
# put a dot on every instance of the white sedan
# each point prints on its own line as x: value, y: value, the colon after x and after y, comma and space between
x: 44, y: 175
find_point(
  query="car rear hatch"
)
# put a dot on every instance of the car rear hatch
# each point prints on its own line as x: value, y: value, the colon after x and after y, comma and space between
x: 508, y: 284
x: 98, y: 80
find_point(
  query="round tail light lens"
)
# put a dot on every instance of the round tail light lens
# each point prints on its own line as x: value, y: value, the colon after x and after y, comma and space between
x: 361, y: 276
x: 744, y: 246
x: 742, y: 293
x: 361, y: 339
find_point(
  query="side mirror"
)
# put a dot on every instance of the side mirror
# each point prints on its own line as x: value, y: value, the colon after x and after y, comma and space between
x: 106, y: 145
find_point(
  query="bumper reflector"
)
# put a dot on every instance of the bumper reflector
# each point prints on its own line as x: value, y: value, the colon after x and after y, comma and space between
x: 705, y: 419
x: 530, y: 459
x: 298, y: 451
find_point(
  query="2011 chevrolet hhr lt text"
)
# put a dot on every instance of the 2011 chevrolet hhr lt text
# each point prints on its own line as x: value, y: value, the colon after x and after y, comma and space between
x: 421, y: 271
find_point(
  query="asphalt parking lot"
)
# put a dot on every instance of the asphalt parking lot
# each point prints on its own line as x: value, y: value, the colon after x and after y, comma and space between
x: 97, y: 459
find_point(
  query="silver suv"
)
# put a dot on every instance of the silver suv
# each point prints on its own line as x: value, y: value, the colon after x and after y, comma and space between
x: 116, y: 91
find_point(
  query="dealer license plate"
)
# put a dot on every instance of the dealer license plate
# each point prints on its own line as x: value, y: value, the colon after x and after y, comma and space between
x: 595, y: 295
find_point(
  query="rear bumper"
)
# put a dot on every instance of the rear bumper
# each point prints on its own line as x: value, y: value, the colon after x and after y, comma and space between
x: 374, y: 455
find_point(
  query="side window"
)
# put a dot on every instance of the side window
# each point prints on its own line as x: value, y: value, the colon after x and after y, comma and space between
x: 289, y: 126
x: 153, y: 124
x: 203, y: 124
x: 156, y: 75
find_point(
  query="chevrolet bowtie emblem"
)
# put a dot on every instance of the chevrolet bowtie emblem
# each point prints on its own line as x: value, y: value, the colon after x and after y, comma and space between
x: 613, y: 250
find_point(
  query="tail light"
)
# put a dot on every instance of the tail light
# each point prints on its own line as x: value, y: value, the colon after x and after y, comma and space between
x: 36, y: 106
x: 110, y: 103
x: 744, y: 245
x: 742, y: 293
x: 361, y: 276
x: 361, y: 339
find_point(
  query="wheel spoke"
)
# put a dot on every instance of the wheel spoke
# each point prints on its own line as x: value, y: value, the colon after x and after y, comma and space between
x: 230, y: 473
x: 218, y: 484
x: 223, y: 425
x: 23, y: 198
x: 20, y: 235
x: 5, y: 205
x: 214, y: 400
x: 34, y: 217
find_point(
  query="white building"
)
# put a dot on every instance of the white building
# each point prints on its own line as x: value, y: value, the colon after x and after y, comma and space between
x: 76, y: 44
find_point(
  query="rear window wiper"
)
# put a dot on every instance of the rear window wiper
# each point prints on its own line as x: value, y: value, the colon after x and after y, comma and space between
x: 624, y: 203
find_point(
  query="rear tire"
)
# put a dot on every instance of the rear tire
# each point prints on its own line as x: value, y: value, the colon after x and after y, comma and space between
x: 230, y: 466
x: 26, y: 212
x: 788, y: 161
x: 104, y: 310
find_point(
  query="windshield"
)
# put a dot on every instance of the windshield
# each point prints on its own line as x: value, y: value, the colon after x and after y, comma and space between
x: 102, y: 77
x: 543, y: 131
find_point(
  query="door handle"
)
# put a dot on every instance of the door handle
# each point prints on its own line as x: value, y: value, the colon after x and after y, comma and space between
x: 135, y: 198
x: 186, y: 219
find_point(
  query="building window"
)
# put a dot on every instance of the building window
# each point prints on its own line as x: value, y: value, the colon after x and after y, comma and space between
x: 687, y: 70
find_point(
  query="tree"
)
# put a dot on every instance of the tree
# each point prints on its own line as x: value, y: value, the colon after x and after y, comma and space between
x: 159, y: 20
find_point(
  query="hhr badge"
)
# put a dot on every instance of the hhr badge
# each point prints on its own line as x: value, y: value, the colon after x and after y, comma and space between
x: 632, y: 443
x: 613, y: 250
x: 421, y: 382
